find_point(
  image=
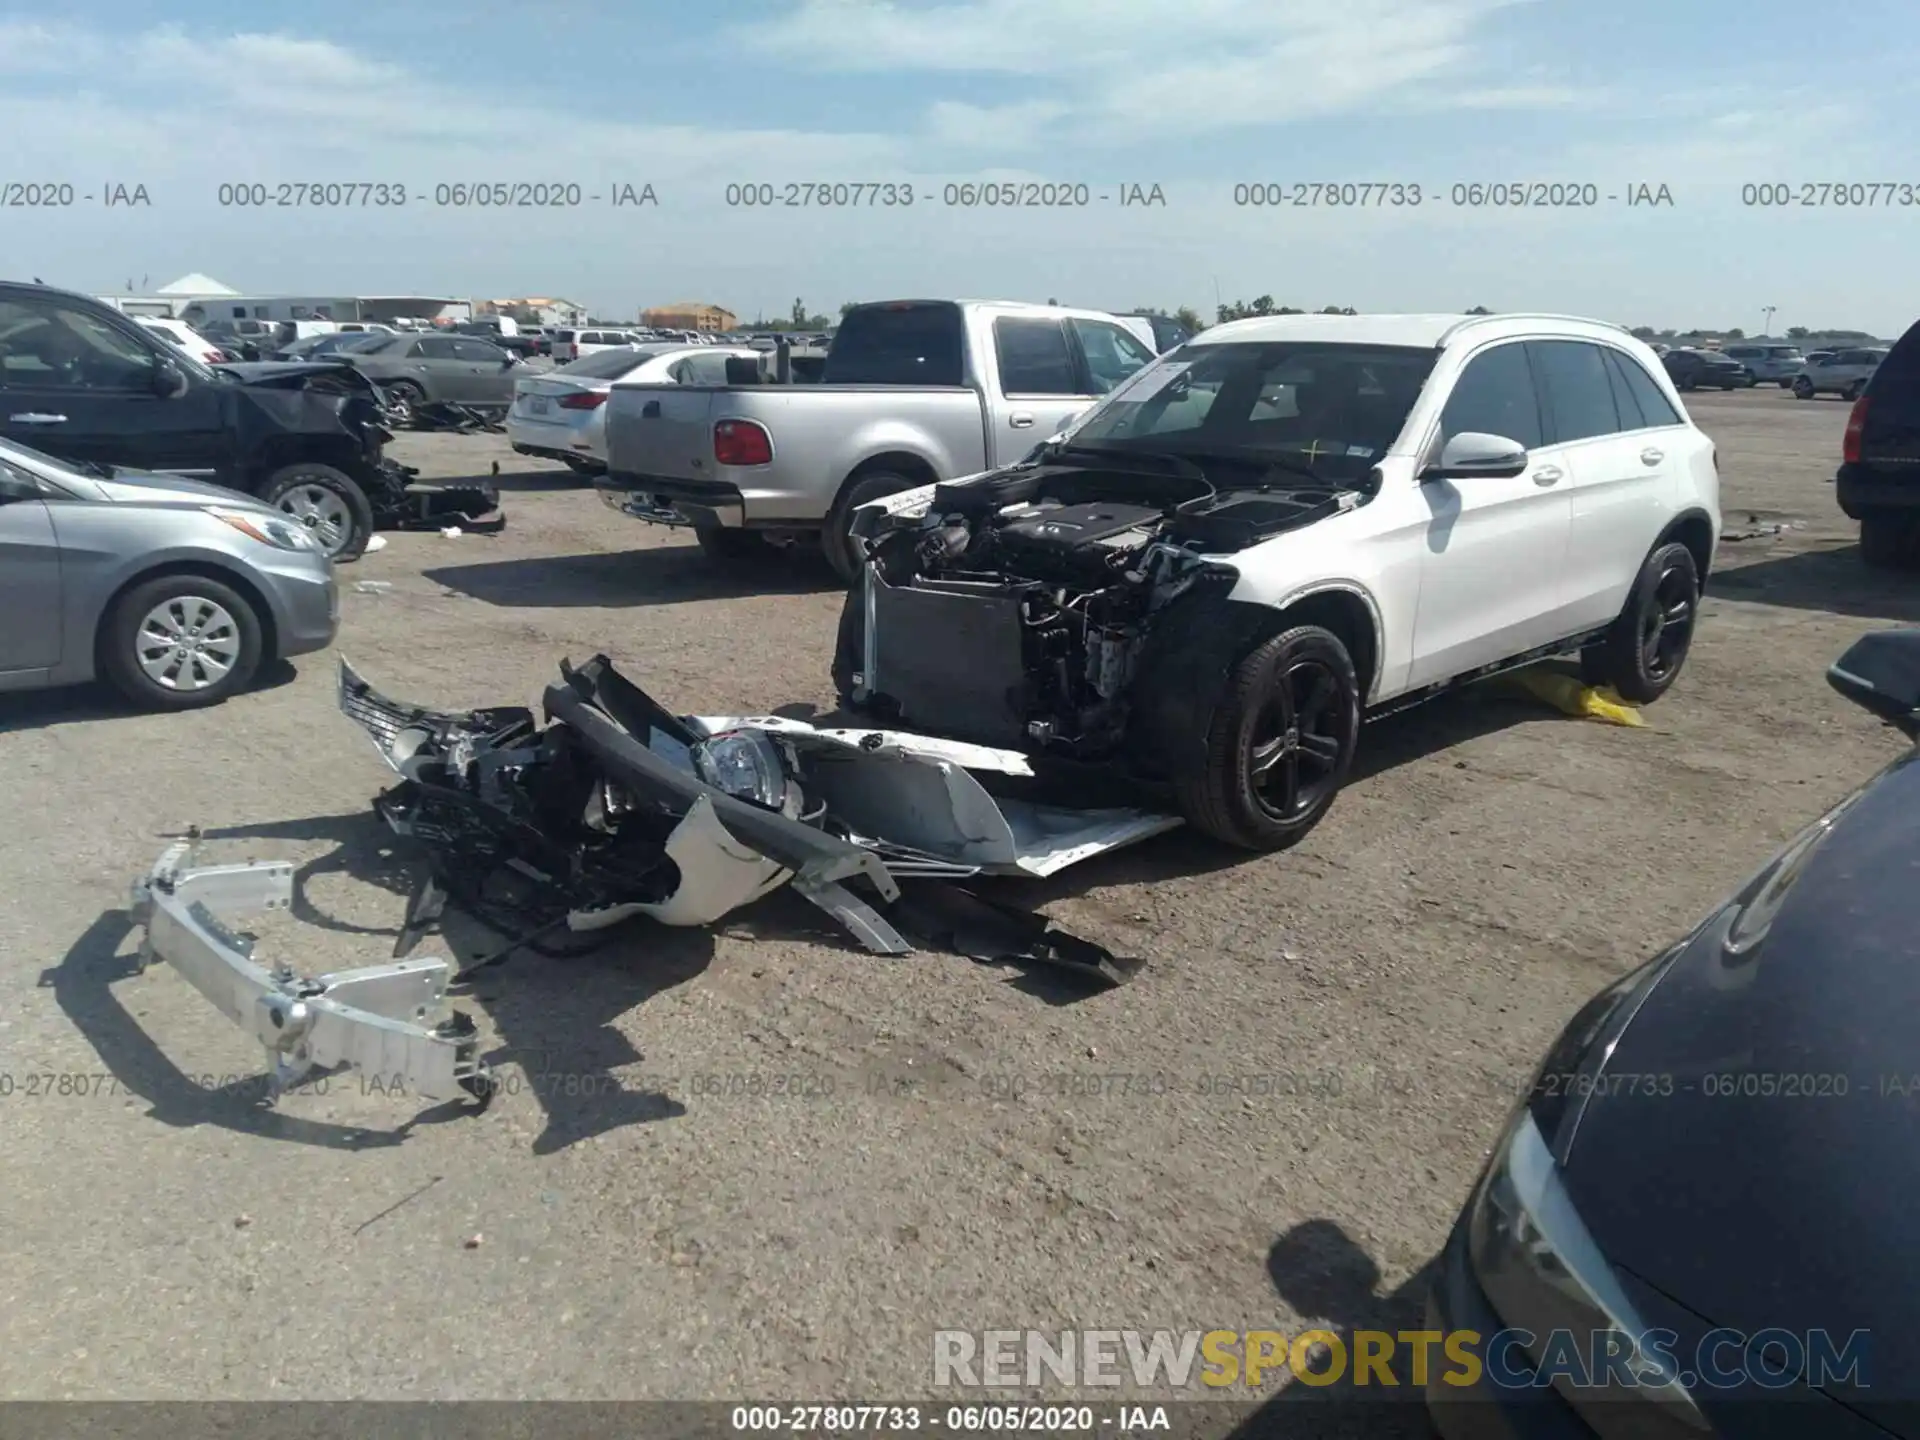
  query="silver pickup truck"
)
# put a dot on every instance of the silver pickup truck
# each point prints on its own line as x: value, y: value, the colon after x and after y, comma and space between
x: 911, y: 392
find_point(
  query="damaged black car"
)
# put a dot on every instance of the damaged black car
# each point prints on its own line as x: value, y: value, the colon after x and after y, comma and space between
x: 81, y: 381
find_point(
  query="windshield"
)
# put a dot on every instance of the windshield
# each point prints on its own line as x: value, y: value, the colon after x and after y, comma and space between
x: 1337, y: 408
x: 51, y: 466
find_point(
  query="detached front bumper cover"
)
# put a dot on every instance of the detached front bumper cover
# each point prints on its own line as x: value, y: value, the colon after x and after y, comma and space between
x: 609, y: 810
x: 378, y: 1019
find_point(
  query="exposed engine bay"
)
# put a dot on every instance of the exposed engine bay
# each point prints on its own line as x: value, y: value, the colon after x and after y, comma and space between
x: 1016, y: 610
x: 555, y: 829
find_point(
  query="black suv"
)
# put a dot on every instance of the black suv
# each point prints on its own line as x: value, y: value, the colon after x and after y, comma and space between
x: 1878, y: 482
x: 81, y: 381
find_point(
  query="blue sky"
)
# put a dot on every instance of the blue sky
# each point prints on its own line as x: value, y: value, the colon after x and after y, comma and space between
x: 1195, y: 96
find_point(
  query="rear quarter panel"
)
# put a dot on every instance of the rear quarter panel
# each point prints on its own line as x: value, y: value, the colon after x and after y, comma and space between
x: 821, y: 434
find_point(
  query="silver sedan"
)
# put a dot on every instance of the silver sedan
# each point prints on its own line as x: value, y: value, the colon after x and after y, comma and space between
x: 562, y: 415
x: 173, y: 591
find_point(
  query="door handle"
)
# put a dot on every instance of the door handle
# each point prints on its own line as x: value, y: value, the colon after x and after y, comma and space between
x: 650, y: 410
x: 1651, y: 456
x: 1547, y: 474
x: 1020, y: 420
x: 35, y: 418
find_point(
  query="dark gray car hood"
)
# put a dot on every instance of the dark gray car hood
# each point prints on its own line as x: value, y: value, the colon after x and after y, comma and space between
x: 281, y: 372
x: 1793, y: 1206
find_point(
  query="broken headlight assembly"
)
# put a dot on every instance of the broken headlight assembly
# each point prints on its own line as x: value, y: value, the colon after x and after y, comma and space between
x: 746, y: 765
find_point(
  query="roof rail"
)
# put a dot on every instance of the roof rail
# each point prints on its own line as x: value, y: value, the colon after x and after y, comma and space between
x: 1467, y: 321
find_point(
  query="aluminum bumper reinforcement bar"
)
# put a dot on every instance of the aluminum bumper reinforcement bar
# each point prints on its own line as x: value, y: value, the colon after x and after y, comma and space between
x: 379, y: 1019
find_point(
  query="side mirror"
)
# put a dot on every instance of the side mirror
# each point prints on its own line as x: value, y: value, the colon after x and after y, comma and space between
x: 1881, y: 674
x: 169, y: 380
x: 1472, y: 454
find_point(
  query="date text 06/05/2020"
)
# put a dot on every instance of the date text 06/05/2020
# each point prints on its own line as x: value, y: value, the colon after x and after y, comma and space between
x: 477, y: 194
x: 1459, y: 194
x: 963, y: 194
x: 855, y: 1419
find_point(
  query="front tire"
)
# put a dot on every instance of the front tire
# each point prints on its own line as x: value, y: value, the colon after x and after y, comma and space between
x: 1890, y: 540
x: 835, y: 541
x: 1803, y: 389
x: 1648, y: 644
x: 180, y: 642
x: 328, y: 502
x: 1279, y: 745
x: 404, y: 399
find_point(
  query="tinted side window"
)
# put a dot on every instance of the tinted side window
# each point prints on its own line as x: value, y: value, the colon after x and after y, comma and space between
x: 478, y: 352
x: 1632, y: 417
x: 1494, y: 396
x: 61, y: 347
x: 705, y: 370
x: 1034, y: 358
x: 1655, y: 409
x: 1579, y: 398
x: 437, y: 347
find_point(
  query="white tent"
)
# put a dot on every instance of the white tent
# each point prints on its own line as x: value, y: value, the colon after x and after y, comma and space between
x: 196, y: 284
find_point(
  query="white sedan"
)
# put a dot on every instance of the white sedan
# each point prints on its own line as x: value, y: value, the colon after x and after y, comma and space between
x: 183, y: 336
x: 562, y: 415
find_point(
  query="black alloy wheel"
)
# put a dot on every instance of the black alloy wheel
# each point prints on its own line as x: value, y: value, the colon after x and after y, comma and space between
x: 1300, y: 737
x: 1278, y: 743
x: 1666, y: 626
x: 1646, y: 646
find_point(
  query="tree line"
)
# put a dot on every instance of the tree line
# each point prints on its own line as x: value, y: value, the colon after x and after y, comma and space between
x: 800, y: 319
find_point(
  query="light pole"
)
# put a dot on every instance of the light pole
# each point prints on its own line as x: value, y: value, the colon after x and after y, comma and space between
x: 1767, y: 329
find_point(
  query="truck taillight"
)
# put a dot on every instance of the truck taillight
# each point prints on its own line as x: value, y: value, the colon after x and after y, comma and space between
x: 1856, y: 423
x: 584, y: 400
x: 741, y: 442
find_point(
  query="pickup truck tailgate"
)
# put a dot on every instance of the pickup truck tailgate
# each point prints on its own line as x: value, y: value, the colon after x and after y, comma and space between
x: 663, y: 432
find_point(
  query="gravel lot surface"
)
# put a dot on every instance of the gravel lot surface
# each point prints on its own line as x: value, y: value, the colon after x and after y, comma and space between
x: 1274, y: 1125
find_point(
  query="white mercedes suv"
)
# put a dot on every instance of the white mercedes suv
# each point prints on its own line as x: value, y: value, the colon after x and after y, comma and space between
x: 1280, y: 529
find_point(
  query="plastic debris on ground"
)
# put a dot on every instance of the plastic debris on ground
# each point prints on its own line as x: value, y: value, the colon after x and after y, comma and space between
x: 378, y: 542
x: 1569, y: 696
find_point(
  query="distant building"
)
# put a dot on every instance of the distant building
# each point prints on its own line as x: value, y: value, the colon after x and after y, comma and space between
x: 200, y: 298
x: 536, y: 310
x: 689, y: 315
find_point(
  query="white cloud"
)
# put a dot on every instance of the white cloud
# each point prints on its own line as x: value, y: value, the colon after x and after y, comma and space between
x: 1130, y: 68
x: 206, y: 108
x: 993, y: 127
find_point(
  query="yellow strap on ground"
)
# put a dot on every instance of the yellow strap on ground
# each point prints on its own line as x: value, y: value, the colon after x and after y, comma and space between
x: 1566, y: 694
